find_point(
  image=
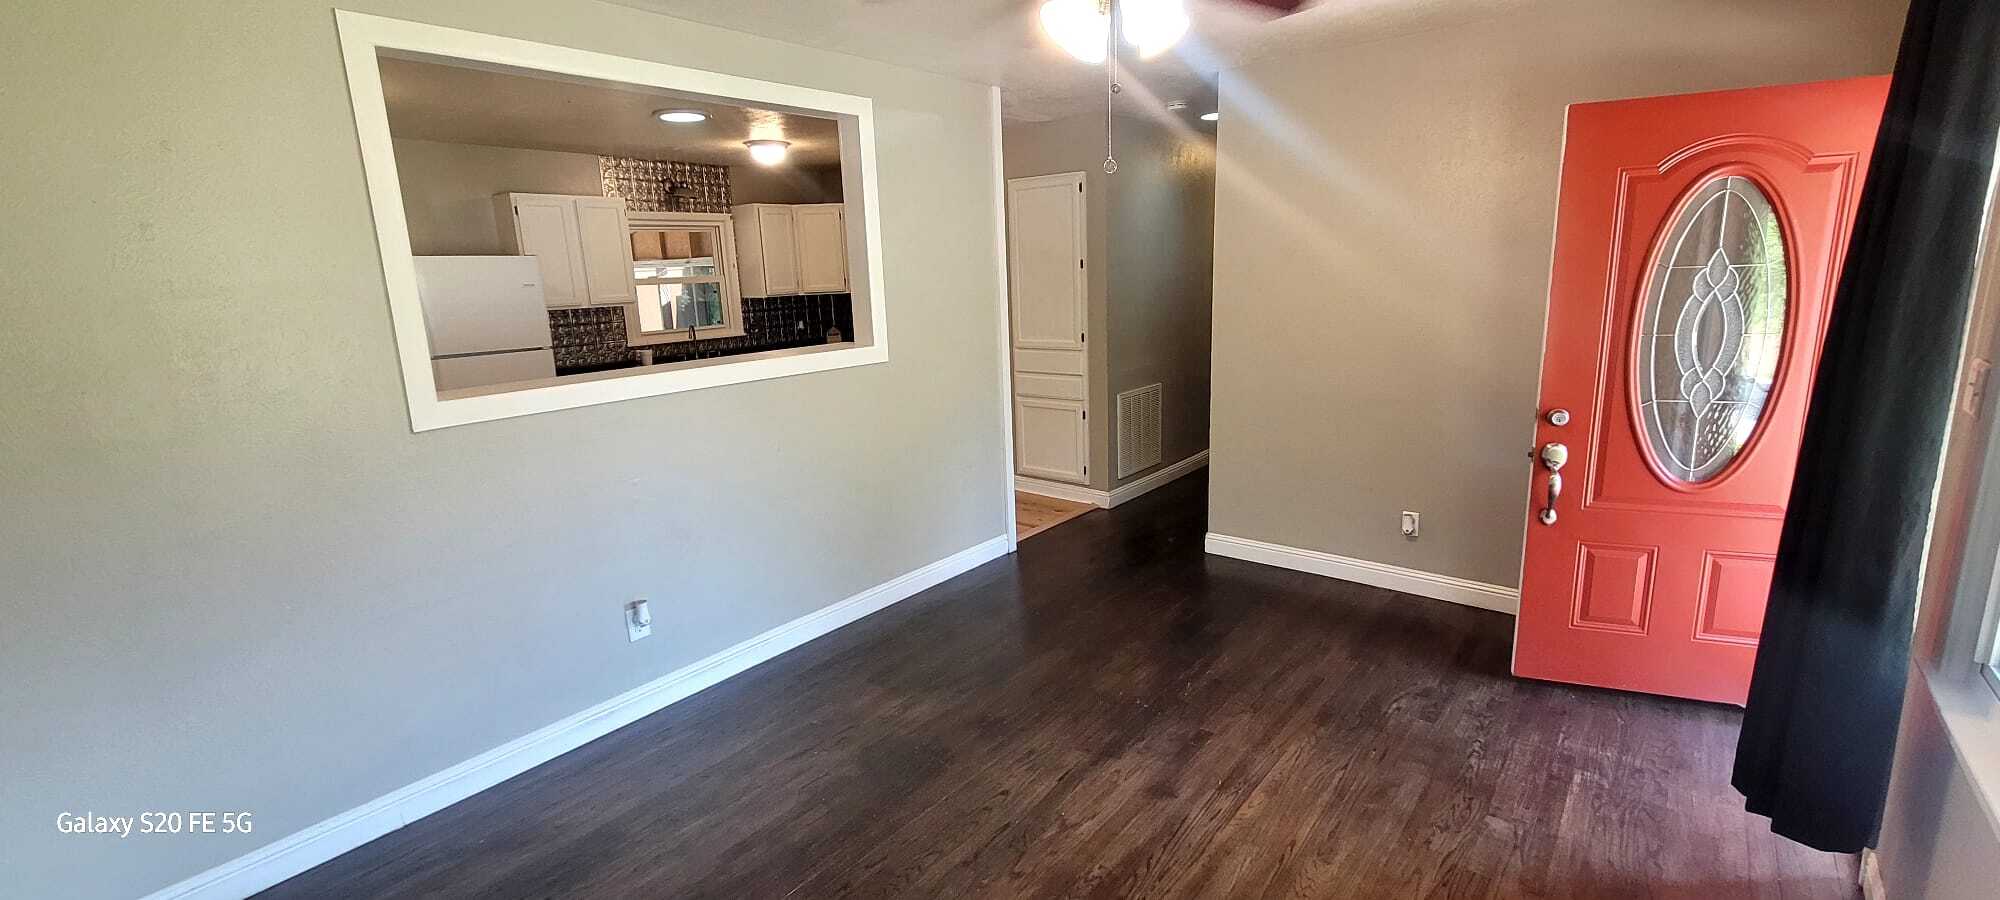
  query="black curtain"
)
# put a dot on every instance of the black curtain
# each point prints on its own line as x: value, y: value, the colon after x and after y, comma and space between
x: 1828, y: 687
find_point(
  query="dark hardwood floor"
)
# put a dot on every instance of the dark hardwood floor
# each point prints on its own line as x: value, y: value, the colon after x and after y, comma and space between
x: 1115, y: 714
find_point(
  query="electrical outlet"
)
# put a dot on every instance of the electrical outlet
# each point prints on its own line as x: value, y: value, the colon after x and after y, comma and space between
x: 638, y: 619
x: 1410, y: 524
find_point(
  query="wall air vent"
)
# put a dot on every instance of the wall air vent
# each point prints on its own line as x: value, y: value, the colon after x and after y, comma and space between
x: 1138, y: 429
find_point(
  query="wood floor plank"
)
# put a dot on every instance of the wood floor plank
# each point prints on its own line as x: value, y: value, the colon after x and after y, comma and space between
x: 1034, y: 513
x: 1116, y: 714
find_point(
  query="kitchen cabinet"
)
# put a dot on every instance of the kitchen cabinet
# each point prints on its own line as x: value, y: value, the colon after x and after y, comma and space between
x: 791, y: 249
x: 821, y: 233
x: 583, y: 245
x: 1051, y: 439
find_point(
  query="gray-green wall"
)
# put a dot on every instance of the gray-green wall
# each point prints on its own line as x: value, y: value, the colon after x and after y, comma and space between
x: 234, y: 580
x: 1384, y: 212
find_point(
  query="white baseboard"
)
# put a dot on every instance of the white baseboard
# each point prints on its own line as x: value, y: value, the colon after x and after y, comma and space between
x: 1159, y: 477
x: 1074, y: 493
x: 1396, y: 578
x: 1077, y: 493
x: 1871, y: 877
x: 302, y: 850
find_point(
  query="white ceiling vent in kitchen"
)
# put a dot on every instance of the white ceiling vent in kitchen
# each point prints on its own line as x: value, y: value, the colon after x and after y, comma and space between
x: 1138, y: 429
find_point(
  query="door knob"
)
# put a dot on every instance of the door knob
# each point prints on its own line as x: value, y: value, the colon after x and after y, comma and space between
x: 1553, y: 456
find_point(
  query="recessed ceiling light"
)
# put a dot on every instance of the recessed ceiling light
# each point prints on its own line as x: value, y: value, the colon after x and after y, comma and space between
x: 1211, y: 117
x: 767, y: 153
x: 680, y: 116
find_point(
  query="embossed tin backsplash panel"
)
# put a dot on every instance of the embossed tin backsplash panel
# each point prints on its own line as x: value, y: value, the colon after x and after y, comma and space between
x: 659, y: 185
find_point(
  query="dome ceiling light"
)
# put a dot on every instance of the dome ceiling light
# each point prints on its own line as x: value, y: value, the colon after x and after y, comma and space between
x: 768, y: 153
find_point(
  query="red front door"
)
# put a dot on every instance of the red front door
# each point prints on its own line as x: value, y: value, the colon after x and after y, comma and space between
x: 1698, y: 243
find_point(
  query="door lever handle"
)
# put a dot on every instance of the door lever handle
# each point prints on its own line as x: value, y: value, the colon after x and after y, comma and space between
x: 1553, y: 456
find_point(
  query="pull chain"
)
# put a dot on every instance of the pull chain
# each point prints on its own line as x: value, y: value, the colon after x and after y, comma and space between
x: 1112, y: 87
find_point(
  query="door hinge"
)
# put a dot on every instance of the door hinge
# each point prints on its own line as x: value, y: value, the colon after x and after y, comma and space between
x: 1082, y: 338
x: 1086, y: 415
x: 1079, y: 264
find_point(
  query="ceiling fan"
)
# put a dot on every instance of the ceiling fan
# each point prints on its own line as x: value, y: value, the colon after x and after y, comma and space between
x: 1084, y: 28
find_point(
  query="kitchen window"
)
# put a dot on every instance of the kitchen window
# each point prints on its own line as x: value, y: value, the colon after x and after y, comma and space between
x: 685, y: 278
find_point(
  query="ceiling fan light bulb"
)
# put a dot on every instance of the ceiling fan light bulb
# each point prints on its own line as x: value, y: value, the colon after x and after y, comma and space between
x: 1153, y: 26
x: 1078, y: 27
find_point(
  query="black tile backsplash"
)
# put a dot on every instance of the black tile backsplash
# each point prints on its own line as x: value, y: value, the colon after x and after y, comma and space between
x: 590, y: 336
x: 593, y: 338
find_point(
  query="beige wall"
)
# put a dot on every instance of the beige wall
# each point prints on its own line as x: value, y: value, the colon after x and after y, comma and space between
x: 235, y: 580
x: 1384, y: 212
x: 1162, y: 242
x: 448, y: 190
x: 784, y: 184
x: 1151, y: 229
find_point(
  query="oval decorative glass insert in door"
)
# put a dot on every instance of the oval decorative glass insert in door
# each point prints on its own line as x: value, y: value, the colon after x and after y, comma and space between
x: 1711, y: 328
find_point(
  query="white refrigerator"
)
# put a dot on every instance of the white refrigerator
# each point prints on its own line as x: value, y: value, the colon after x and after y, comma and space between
x: 486, y: 319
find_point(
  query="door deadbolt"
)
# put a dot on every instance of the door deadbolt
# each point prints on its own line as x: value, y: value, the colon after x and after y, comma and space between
x: 1558, y: 417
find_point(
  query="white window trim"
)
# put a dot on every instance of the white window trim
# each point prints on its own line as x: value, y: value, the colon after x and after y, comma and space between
x: 363, y: 35
x: 1958, y: 669
x: 732, y: 294
x: 1972, y: 627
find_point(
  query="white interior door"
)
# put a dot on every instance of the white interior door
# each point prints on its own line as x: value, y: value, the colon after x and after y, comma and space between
x: 1049, y: 308
x: 1045, y: 249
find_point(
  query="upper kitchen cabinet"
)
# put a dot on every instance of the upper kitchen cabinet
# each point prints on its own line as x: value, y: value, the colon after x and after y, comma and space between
x: 785, y: 249
x: 583, y: 243
x: 767, y: 249
x: 821, y: 232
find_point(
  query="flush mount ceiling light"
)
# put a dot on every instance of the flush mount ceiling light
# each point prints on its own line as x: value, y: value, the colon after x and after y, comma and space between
x: 680, y: 116
x: 767, y: 153
x: 1211, y: 116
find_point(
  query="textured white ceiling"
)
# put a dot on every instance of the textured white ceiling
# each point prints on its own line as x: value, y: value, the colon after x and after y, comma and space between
x: 1000, y: 41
